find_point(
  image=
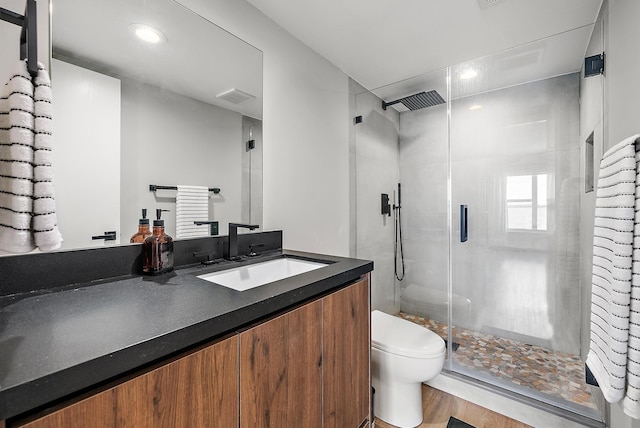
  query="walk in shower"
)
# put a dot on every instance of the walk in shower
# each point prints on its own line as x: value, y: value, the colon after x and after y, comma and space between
x: 502, y: 161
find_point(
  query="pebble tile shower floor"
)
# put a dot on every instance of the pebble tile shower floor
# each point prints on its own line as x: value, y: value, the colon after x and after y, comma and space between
x: 530, y: 366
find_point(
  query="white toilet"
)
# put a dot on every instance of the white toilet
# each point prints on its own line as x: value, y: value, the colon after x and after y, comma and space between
x: 403, y: 355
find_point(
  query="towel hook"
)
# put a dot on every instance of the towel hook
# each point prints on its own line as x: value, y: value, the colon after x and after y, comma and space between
x: 28, y: 35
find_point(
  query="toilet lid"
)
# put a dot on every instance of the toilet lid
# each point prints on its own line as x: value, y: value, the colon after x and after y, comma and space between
x: 401, y: 337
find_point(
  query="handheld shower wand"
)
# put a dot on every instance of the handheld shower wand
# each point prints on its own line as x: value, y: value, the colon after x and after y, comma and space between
x: 398, y: 239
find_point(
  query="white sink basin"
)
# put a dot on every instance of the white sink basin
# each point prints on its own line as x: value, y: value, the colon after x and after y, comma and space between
x: 247, y: 277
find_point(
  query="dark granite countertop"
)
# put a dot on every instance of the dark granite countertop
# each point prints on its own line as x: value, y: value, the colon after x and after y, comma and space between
x: 55, y: 344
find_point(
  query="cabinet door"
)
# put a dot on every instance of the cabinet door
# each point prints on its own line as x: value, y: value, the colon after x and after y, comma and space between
x: 346, y: 356
x: 199, y: 390
x: 97, y: 411
x: 281, y: 371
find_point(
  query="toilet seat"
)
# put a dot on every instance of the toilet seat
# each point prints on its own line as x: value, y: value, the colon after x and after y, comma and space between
x: 401, y: 337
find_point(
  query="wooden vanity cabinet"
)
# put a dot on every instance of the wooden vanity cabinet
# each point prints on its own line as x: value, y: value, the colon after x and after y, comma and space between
x: 199, y: 390
x: 346, y: 343
x: 308, y: 367
x: 281, y: 371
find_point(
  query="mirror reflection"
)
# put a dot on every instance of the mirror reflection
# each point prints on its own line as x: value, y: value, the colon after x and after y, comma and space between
x: 150, y: 93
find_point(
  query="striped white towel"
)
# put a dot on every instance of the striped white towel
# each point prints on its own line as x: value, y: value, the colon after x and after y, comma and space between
x: 192, y: 204
x: 45, y: 224
x: 631, y: 402
x: 16, y: 159
x: 612, y: 267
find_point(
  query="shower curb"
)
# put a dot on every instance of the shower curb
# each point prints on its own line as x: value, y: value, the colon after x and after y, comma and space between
x: 531, y: 402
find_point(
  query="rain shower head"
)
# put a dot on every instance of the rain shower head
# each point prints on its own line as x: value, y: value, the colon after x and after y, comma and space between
x: 417, y: 101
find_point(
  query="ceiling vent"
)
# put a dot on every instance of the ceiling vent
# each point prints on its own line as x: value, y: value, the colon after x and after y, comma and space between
x: 486, y: 3
x: 235, y: 96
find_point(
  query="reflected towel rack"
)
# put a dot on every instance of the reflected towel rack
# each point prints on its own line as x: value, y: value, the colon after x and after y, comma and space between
x: 28, y: 35
x: 154, y: 187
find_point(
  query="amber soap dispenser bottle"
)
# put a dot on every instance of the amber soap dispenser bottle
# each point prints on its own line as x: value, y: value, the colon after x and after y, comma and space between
x: 143, y: 228
x: 158, y: 249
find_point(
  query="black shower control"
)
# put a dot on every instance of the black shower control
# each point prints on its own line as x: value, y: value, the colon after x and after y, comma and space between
x: 386, y: 207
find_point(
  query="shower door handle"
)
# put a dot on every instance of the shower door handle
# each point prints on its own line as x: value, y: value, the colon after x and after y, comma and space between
x: 464, y: 225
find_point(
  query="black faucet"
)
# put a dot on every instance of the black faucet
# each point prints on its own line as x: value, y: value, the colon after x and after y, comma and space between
x: 232, y: 253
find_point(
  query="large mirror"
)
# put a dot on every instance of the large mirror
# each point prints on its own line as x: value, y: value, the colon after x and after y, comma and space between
x: 150, y: 93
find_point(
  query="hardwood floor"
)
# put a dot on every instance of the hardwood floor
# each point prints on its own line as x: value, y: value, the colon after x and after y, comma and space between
x: 438, y: 406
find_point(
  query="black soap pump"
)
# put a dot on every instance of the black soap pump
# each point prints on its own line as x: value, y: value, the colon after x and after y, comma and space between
x: 143, y: 229
x: 158, y: 249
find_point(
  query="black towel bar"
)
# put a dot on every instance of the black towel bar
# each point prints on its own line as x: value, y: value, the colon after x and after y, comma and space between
x: 154, y: 187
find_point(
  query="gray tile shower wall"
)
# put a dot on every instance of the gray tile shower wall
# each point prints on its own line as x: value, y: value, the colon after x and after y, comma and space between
x: 376, y: 157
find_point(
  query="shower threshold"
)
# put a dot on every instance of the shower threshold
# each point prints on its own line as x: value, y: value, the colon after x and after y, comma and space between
x: 513, y: 404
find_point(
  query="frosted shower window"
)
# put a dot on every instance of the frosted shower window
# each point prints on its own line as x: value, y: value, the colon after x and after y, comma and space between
x: 526, y: 202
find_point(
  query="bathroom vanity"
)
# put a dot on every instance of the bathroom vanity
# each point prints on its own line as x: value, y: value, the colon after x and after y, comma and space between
x: 176, y: 350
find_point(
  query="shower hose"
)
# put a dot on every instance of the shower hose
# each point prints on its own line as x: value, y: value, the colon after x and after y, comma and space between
x: 397, y: 246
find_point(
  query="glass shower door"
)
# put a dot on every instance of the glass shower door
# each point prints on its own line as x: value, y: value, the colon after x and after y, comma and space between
x: 515, y: 166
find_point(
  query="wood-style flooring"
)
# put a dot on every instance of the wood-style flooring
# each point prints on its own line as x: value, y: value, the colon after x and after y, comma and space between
x: 438, y: 406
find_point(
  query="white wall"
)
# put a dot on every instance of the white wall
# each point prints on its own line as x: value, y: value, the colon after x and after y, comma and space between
x: 622, y: 87
x: 306, y: 128
x: 621, y: 95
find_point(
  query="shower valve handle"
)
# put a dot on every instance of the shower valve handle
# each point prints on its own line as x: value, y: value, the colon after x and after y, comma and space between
x: 385, y: 206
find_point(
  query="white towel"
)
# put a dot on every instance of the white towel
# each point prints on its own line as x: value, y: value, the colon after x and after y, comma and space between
x: 612, y: 268
x: 192, y: 204
x: 45, y: 224
x: 16, y: 160
x: 27, y: 207
x: 631, y: 403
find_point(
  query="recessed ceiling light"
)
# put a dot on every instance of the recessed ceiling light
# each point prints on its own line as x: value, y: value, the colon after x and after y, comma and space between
x: 475, y: 107
x: 468, y: 74
x: 148, y: 33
